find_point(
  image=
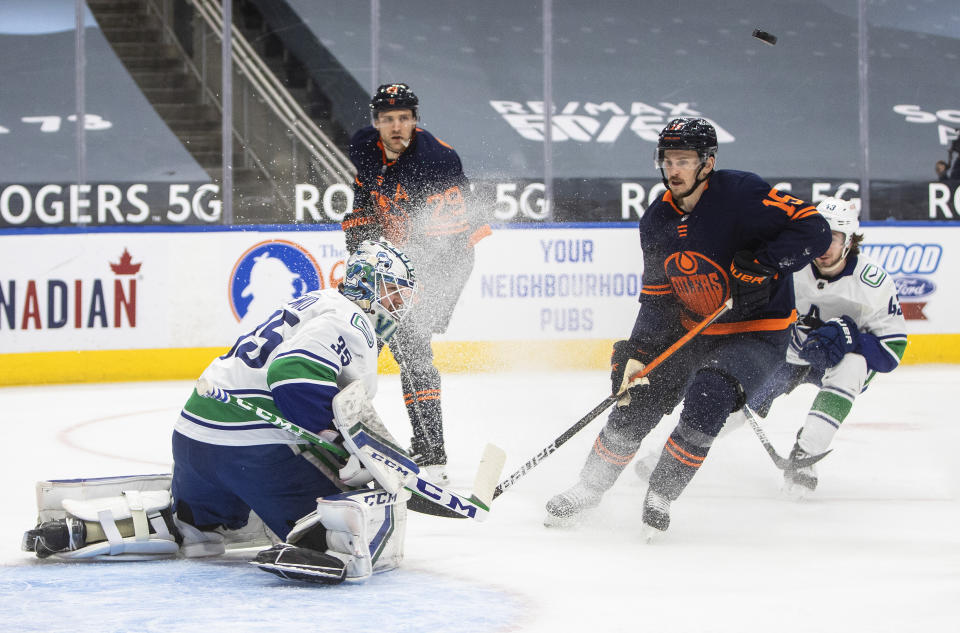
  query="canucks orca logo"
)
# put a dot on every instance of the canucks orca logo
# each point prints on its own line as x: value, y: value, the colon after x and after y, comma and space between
x: 698, y: 282
x: 269, y: 274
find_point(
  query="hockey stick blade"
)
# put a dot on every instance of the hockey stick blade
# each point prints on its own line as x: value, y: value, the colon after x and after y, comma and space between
x: 491, y: 465
x: 782, y: 463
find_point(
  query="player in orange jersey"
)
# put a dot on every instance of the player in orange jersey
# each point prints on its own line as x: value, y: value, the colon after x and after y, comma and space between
x: 411, y: 189
x: 711, y: 236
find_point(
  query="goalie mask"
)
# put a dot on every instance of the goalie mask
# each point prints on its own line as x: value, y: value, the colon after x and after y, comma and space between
x: 842, y: 218
x: 381, y: 281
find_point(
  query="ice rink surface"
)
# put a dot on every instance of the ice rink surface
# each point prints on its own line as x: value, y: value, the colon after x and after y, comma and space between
x: 876, y: 549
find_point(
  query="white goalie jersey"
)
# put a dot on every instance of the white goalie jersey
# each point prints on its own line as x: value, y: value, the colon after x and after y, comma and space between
x: 292, y: 365
x: 864, y: 292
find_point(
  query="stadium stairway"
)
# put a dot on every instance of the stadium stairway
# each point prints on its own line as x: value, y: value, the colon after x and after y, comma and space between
x: 162, y: 74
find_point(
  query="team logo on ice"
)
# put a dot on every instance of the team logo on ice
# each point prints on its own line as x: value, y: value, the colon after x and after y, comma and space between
x: 268, y: 274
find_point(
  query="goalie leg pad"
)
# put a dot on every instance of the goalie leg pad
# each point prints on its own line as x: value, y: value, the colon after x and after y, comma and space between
x: 51, y: 493
x: 365, y: 529
x: 133, y: 526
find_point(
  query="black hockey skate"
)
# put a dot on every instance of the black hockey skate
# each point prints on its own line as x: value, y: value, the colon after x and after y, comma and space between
x: 656, y: 515
x: 301, y: 563
x: 566, y: 508
x: 50, y: 537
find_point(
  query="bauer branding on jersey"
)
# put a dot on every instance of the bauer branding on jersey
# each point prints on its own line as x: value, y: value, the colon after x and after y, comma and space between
x: 863, y: 292
x: 291, y: 365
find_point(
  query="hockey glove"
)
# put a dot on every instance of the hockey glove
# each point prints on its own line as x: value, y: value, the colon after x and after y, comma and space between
x: 628, y: 358
x: 751, y: 283
x: 826, y: 346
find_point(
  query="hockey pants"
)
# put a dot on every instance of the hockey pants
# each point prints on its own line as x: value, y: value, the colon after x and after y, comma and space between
x: 712, y: 375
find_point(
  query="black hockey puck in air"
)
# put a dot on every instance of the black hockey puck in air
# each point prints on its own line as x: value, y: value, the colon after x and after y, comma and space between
x: 763, y: 36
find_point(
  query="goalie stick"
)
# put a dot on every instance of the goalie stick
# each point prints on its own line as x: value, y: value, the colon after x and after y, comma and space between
x: 437, y: 500
x: 782, y: 463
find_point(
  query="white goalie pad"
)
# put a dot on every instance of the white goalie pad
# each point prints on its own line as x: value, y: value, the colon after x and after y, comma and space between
x: 151, y: 536
x: 365, y: 437
x: 52, y: 493
x: 365, y: 529
x: 127, y: 519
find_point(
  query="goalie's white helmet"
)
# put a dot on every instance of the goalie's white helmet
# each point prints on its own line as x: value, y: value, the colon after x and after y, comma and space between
x: 842, y: 218
x: 380, y: 279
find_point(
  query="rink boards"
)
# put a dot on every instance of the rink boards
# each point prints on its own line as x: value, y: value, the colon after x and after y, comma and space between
x: 148, y: 305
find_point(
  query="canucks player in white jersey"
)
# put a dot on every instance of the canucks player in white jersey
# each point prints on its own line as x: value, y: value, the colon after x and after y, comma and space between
x: 850, y: 328
x: 229, y: 462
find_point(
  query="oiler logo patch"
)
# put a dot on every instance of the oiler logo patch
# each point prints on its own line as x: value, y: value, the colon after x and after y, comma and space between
x: 698, y: 282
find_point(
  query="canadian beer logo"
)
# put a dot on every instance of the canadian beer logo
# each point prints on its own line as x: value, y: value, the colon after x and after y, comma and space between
x: 108, y: 301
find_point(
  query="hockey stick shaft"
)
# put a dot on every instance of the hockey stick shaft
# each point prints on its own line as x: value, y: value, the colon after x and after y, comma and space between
x: 607, y: 402
x: 782, y: 463
x: 778, y: 461
x: 450, y: 503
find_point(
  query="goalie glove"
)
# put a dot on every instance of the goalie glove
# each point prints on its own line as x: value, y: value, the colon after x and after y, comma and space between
x: 827, y: 345
x: 628, y: 359
x: 751, y: 283
x: 354, y: 474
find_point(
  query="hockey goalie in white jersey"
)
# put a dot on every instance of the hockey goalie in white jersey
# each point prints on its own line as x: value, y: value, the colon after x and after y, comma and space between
x: 850, y: 327
x: 334, y: 518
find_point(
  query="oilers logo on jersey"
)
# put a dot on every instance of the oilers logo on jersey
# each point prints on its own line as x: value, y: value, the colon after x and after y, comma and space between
x: 697, y: 281
x: 269, y: 274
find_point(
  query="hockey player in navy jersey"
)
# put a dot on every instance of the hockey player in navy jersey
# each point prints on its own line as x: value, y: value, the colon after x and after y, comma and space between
x: 411, y: 189
x: 712, y: 235
x: 228, y: 461
x: 850, y: 328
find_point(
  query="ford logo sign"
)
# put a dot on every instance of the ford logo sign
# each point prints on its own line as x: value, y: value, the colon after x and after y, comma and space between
x: 914, y: 287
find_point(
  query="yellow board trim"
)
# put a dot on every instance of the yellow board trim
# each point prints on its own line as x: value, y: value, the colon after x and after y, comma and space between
x: 450, y: 356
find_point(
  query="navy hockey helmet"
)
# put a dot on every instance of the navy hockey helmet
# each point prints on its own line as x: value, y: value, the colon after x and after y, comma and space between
x: 394, y: 97
x: 688, y: 133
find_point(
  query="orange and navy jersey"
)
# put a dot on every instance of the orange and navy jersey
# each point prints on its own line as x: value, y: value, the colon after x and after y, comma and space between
x: 687, y: 256
x: 422, y: 196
